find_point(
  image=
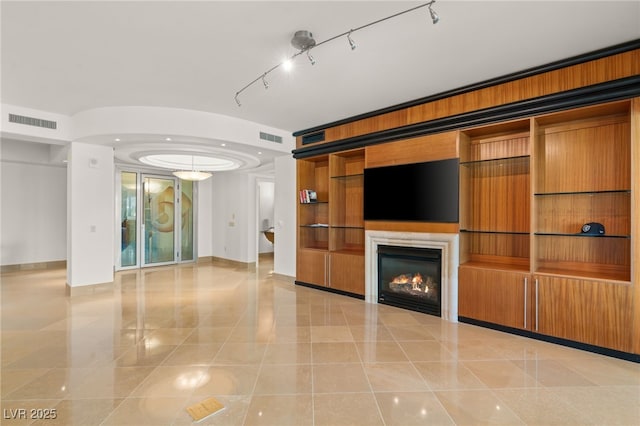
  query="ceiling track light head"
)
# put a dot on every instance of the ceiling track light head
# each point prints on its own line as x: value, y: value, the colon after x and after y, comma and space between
x: 434, y: 16
x: 351, y: 42
x: 303, y: 40
x: 264, y: 81
x: 311, y: 58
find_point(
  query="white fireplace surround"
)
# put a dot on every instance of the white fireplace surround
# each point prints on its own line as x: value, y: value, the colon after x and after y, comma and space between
x: 448, y: 243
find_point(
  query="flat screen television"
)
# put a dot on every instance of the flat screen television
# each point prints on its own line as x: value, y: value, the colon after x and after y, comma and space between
x: 420, y: 192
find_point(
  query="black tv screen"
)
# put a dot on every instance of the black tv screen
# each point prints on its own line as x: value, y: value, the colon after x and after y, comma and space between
x: 421, y: 192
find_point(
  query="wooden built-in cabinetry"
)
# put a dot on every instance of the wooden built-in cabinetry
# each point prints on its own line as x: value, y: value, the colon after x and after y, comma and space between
x: 542, y: 153
x: 527, y: 187
x: 331, y: 229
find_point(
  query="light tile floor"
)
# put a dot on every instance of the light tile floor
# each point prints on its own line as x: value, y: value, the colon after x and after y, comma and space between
x: 278, y: 354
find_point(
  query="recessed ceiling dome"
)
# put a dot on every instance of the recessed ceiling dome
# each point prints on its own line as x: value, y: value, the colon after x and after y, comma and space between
x: 190, y: 162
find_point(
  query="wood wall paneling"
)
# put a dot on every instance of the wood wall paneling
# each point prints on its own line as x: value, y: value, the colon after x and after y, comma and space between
x: 434, y: 227
x: 635, y: 221
x: 592, y: 312
x: 347, y: 273
x: 311, y: 267
x: 493, y: 296
x: 584, y: 151
x: 585, y: 159
x: 440, y: 146
x: 610, y: 68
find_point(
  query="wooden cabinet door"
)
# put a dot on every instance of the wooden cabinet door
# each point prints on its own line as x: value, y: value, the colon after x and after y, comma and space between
x: 311, y: 267
x: 594, y: 312
x: 347, y: 272
x: 494, y: 296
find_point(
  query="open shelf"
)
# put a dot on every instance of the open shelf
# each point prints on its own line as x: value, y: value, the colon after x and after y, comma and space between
x: 347, y: 163
x: 495, y: 141
x: 586, y: 153
x: 499, y: 250
x: 604, y: 257
x: 498, y: 162
x: 583, y: 175
x: 495, y: 197
x: 347, y: 196
x: 313, y: 174
x: 331, y: 230
x: 581, y: 235
x: 347, y: 239
x: 507, y: 265
x: 551, y: 194
x: 354, y: 176
x: 313, y: 237
x: 476, y: 231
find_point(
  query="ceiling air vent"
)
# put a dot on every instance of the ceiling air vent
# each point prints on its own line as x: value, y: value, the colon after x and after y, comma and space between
x: 271, y: 138
x: 30, y: 121
x: 313, y: 137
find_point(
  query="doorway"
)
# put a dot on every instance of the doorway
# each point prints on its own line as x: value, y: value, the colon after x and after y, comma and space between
x: 156, y: 218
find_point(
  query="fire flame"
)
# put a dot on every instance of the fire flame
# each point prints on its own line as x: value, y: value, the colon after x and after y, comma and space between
x: 416, y: 281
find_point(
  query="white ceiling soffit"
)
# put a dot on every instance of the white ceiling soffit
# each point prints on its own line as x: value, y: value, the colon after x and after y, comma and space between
x: 178, y: 156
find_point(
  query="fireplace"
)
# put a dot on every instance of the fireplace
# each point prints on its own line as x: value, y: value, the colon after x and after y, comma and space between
x: 410, y: 277
x: 447, y: 243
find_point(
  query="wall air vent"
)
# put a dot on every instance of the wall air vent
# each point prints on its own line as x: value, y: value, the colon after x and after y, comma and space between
x: 313, y: 137
x: 271, y: 138
x: 30, y: 121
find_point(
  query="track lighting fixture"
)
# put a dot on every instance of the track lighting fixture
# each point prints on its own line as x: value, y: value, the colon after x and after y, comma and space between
x: 303, y: 41
x: 351, y: 42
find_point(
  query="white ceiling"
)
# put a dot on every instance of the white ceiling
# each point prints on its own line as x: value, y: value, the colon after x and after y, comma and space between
x: 66, y: 57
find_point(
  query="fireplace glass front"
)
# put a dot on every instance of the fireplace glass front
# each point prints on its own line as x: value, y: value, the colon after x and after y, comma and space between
x: 409, y: 277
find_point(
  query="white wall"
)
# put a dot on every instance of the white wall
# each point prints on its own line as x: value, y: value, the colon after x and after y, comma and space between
x: 205, y: 217
x: 90, y: 213
x: 33, y: 211
x: 230, y: 204
x: 227, y: 222
x: 285, y: 198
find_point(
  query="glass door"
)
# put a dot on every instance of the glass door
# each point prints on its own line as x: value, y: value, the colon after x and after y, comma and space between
x: 128, y: 220
x: 159, y: 222
x: 187, y: 218
x: 155, y: 220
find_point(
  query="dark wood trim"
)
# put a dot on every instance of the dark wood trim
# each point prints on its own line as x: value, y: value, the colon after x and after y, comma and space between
x: 556, y: 340
x: 329, y: 289
x: 625, y: 88
x: 552, y: 66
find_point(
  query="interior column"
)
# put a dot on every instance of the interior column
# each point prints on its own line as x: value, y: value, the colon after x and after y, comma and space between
x: 90, y: 215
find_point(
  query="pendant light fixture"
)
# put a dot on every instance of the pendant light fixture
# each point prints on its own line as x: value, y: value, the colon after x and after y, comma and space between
x: 193, y: 174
